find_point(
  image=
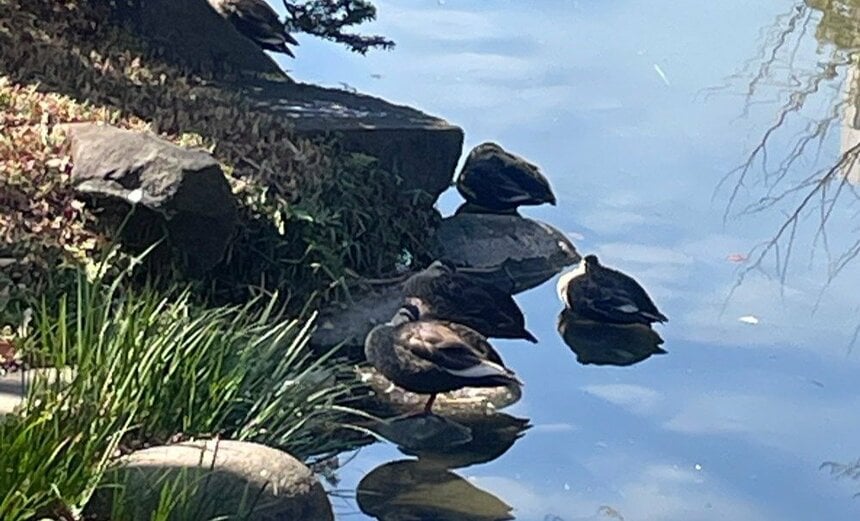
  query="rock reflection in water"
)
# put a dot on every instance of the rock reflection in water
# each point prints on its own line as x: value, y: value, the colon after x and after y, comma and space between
x: 442, y: 442
x: 599, y: 343
x: 423, y: 432
x: 411, y: 490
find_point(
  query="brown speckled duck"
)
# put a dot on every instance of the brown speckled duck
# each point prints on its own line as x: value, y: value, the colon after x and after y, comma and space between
x: 495, y: 181
x: 434, y: 356
x: 257, y: 21
x: 599, y: 293
x: 441, y: 292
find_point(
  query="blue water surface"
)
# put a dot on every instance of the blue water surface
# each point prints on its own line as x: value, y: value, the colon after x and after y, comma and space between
x: 607, y: 97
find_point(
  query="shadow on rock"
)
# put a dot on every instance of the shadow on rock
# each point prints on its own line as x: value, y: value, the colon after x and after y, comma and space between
x: 599, y: 343
x: 438, y: 441
x: 409, y: 490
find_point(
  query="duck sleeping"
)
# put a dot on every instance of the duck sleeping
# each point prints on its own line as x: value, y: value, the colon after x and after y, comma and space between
x: 434, y: 356
x: 441, y: 292
x: 602, y: 294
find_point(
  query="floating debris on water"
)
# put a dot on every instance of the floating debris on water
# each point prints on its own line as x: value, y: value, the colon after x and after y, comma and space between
x: 749, y: 319
x: 662, y: 75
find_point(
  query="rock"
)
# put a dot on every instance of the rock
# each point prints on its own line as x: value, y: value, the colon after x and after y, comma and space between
x: 608, y: 344
x: 234, y: 479
x: 191, y: 34
x: 14, y: 386
x: 184, y: 188
x: 512, y: 252
x: 422, y: 149
x: 412, y: 490
x: 348, y: 324
x: 463, y: 402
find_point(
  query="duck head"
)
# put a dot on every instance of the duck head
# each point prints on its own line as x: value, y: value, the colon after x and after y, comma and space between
x: 591, y: 261
x: 442, y: 266
x: 406, y: 313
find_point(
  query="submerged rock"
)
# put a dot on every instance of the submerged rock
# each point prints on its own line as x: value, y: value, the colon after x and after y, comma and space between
x: 412, y: 490
x: 422, y: 432
x: 512, y: 252
x: 600, y: 343
x: 184, y: 188
x: 238, y: 480
x: 465, y: 401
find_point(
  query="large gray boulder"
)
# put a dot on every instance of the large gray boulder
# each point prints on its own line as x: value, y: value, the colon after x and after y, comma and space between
x: 238, y: 480
x: 512, y: 252
x: 186, y: 188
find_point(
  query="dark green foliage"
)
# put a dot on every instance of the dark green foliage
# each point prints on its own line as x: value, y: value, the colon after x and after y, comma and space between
x: 328, y: 18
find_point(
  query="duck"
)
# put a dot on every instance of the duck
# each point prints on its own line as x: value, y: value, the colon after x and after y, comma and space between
x: 441, y: 292
x: 494, y: 180
x: 257, y: 21
x: 434, y: 356
x: 606, y: 295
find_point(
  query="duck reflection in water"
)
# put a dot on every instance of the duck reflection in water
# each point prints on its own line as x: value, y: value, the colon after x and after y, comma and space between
x: 602, y: 343
x: 416, y: 490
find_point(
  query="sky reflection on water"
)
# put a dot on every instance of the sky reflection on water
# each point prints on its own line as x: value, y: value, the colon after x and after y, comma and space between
x: 607, y: 97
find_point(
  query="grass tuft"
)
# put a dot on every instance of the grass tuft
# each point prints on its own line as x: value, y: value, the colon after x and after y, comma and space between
x: 147, y: 369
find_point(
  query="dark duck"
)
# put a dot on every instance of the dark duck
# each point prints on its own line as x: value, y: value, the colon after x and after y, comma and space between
x: 494, y: 180
x: 257, y: 21
x: 441, y: 292
x: 603, y: 294
x: 434, y: 356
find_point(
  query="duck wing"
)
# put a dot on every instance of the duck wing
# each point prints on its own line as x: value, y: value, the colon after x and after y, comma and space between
x: 447, y: 347
x: 621, y: 298
x: 483, y: 307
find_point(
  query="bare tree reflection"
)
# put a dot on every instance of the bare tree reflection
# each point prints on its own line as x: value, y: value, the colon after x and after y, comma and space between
x: 811, y: 94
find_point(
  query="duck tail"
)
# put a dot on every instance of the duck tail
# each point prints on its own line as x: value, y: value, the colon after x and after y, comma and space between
x: 530, y: 337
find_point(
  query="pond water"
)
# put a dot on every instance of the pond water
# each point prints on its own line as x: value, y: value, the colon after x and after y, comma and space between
x: 611, y: 100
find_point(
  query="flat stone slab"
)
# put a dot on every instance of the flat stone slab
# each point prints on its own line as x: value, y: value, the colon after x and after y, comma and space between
x: 466, y: 401
x: 514, y: 253
x: 422, y: 149
x: 240, y: 480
